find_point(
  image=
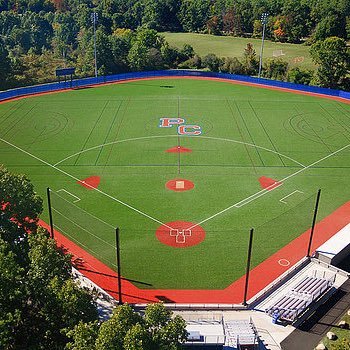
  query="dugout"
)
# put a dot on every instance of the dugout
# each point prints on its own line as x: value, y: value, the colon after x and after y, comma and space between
x: 336, y: 249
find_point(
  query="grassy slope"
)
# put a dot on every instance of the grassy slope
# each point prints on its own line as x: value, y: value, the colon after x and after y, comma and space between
x: 226, y: 46
x: 224, y: 172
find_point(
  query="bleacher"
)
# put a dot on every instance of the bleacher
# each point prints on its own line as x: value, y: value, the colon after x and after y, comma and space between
x: 300, y: 296
x: 241, y: 334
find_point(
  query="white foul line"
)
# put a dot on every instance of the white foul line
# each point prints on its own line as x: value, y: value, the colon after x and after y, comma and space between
x: 288, y: 195
x: 76, y: 179
x: 77, y: 199
x: 268, y: 189
x: 236, y: 205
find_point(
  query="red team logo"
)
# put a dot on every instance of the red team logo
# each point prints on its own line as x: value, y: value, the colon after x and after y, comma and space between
x: 182, y: 129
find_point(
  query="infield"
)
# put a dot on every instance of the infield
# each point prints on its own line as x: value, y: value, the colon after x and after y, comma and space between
x: 256, y: 158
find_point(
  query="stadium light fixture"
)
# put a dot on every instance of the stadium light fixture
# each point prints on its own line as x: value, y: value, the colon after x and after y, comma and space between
x: 94, y: 19
x: 263, y: 19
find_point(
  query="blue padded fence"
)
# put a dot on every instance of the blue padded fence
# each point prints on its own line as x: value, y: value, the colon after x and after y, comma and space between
x: 78, y: 83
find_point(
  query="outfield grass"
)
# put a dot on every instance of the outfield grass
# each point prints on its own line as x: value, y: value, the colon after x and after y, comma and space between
x: 227, y: 46
x: 247, y: 133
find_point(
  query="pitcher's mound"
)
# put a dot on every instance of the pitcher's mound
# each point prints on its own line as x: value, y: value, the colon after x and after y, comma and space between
x: 179, y: 185
x: 180, y: 234
x: 178, y: 149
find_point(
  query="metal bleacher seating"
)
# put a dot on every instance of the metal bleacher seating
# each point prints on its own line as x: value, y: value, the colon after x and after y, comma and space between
x: 241, y: 332
x: 297, y: 300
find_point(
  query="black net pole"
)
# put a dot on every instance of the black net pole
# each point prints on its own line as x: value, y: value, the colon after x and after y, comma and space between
x: 313, y: 222
x: 50, y: 211
x: 120, y: 301
x: 248, y: 266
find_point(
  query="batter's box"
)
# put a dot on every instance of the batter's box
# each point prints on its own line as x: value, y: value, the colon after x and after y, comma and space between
x: 180, y: 235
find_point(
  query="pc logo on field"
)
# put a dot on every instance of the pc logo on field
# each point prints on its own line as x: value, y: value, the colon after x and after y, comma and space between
x: 182, y: 128
x: 169, y: 122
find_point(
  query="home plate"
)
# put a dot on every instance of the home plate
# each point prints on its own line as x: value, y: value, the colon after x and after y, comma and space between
x: 180, y: 234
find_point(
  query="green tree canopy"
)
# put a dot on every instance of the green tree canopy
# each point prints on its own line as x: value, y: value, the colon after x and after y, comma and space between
x: 5, y: 65
x: 333, y: 60
x: 157, y: 329
x: 38, y: 299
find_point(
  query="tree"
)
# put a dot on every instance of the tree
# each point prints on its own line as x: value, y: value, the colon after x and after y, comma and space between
x: 213, y: 25
x: 65, y: 33
x: 232, y: 22
x: 112, y: 332
x: 39, y: 301
x: 332, y: 58
x: 128, y: 330
x: 232, y: 65
x: 20, y: 209
x: 298, y: 19
x: 299, y: 75
x: 279, y: 26
x: 167, y: 332
x: 145, y: 52
x: 250, y: 60
x: 5, y: 66
x: 212, y: 62
x: 275, y: 69
x: 83, y: 335
x: 194, y: 14
x: 331, y: 25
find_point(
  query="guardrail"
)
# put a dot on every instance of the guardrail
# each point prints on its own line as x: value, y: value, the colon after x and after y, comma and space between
x: 80, y: 83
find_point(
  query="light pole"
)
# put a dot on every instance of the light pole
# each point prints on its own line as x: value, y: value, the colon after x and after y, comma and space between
x: 264, y: 17
x: 94, y: 19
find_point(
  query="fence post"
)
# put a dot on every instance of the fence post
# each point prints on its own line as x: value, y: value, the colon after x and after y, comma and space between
x: 50, y: 211
x: 248, y: 267
x: 313, y: 222
x: 120, y: 300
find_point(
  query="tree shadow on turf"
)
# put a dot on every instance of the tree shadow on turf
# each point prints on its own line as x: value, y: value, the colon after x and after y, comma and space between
x: 82, y: 268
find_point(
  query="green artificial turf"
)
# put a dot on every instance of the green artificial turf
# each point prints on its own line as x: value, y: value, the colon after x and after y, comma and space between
x: 228, y: 46
x: 248, y: 132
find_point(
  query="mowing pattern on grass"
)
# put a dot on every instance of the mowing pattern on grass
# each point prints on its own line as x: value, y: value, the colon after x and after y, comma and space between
x: 112, y: 132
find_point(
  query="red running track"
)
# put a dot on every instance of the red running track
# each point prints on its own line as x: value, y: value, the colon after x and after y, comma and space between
x: 261, y: 276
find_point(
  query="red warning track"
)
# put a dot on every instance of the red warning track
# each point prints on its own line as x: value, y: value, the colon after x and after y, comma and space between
x: 182, y: 234
x: 260, y: 276
x: 179, y: 185
x: 235, y: 82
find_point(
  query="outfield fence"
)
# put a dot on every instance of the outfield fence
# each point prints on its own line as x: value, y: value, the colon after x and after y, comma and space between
x: 85, y: 82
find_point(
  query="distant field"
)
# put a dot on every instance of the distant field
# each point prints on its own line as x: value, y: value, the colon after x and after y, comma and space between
x: 226, y: 46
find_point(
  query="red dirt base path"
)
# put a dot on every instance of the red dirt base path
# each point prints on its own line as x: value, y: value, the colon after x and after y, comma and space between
x: 179, y: 185
x: 91, y: 182
x: 268, y: 183
x: 261, y: 276
x: 180, y: 234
